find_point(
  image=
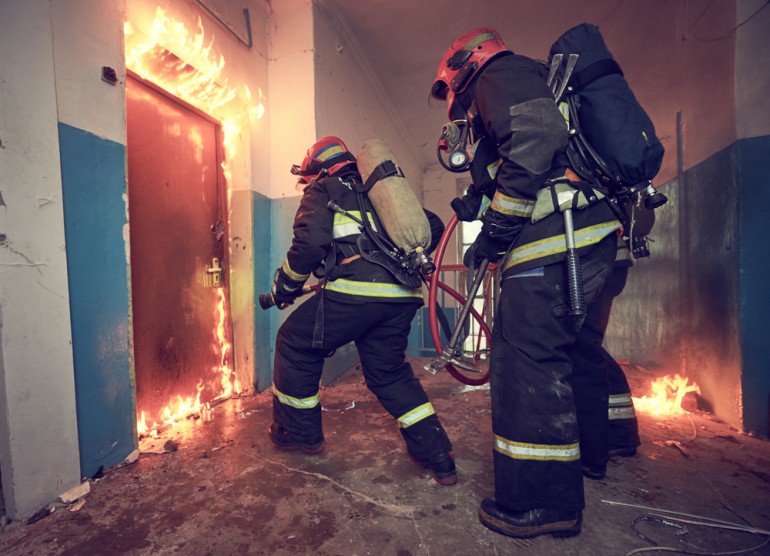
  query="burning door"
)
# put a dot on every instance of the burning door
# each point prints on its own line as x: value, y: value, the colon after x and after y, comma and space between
x: 178, y: 248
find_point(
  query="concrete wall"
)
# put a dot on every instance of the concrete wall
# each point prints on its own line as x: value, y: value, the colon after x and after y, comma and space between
x: 38, y: 430
x: 66, y: 380
x: 695, y: 305
x: 349, y: 100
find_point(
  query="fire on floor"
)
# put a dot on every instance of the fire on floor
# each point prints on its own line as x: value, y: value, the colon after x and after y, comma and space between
x: 216, y: 485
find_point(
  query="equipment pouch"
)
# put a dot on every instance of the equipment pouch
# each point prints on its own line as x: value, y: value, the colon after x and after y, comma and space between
x: 560, y: 195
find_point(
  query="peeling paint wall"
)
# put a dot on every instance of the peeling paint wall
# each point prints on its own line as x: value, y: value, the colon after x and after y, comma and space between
x: 66, y: 377
x: 38, y: 428
x: 696, y: 304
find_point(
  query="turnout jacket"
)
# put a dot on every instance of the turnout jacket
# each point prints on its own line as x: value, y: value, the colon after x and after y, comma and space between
x: 512, y: 103
x: 323, y: 236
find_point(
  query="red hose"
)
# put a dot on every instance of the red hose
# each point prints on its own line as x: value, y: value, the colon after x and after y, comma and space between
x: 435, y: 285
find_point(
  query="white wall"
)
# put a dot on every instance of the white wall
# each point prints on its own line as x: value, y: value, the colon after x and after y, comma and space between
x: 752, y: 78
x: 292, y: 111
x: 38, y: 430
x: 349, y: 99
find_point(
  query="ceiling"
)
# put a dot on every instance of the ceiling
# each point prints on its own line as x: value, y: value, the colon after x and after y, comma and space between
x: 405, y: 39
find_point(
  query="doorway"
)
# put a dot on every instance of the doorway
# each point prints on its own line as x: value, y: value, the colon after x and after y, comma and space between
x: 182, y: 336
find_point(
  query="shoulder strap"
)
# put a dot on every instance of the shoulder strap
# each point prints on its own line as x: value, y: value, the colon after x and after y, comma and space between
x: 381, y: 171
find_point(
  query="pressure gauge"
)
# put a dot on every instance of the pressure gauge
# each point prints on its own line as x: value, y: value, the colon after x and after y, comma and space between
x: 458, y: 159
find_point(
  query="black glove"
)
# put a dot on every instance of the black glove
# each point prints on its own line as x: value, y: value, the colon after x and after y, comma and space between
x: 485, y: 247
x: 285, y: 290
x: 470, y: 206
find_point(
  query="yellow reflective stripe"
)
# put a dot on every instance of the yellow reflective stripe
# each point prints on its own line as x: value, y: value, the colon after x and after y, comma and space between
x: 372, y: 289
x: 625, y: 412
x: 344, y: 225
x: 299, y: 403
x: 493, y: 167
x: 557, y: 244
x: 541, y: 452
x: 329, y: 152
x: 296, y: 276
x: 416, y: 415
x: 511, y: 205
x: 478, y: 39
x: 620, y: 399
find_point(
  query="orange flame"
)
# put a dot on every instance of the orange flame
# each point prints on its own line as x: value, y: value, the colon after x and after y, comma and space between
x: 182, y: 63
x: 228, y: 381
x: 667, y: 395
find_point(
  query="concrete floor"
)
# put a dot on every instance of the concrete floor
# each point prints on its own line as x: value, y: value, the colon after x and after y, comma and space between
x: 226, y: 490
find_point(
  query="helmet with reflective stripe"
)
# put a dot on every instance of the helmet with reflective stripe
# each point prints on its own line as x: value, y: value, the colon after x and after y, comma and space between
x: 328, y: 153
x: 463, y: 61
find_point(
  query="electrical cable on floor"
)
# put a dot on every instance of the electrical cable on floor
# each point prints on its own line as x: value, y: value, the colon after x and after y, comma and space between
x: 683, y: 530
x: 710, y: 522
x: 694, y: 430
x: 683, y: 551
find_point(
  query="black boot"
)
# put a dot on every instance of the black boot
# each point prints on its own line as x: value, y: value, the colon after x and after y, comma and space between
x: 595, y: 472
x: 623, y: 451
x: 442, y: 468
x: 285, y: 441
x: 529, y: 523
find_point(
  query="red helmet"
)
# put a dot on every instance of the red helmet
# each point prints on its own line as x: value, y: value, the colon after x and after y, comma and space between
x: 329, y: 154
x: 463, y: 61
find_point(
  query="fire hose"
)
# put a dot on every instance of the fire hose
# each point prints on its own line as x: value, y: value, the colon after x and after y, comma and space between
x: 455, y: 366
x: 451, y: 353
x: 266, y: 300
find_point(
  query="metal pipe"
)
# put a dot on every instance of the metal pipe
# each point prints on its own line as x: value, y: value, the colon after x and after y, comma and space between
x: 248, y: 42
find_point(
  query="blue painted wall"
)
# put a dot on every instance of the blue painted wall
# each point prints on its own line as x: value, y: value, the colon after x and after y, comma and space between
x: 699, y: 303
x: 93, y: 184
x: 753, y: 158
x: 261, y: 239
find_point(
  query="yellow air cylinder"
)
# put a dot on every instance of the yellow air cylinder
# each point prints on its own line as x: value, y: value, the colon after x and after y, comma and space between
x: 394, y: 200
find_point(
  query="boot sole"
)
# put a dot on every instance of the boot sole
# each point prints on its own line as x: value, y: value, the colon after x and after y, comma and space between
x: 446, y: 480
x: 559, y: 529
x: 314, y: 449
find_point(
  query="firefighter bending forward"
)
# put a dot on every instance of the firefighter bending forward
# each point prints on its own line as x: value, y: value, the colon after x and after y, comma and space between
x: 537, y: 467
x: 361, y: 302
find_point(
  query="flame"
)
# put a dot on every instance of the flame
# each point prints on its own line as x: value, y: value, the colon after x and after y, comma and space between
x: 175, y: 410
x: 228, y: 381
x: 667, y: 395
x: 183, y: 64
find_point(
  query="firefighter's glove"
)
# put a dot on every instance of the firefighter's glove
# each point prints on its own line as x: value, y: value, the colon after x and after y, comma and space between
x: 285, y: 290
x: 470, y: 206
x: 485, y: 247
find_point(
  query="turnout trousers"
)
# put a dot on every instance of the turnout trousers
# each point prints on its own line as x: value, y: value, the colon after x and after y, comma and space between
x: 605, y: 412
x: 380, y: 332
x: 536, y: 437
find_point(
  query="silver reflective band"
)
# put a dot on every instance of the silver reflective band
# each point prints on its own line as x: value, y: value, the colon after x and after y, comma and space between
x: 299, y: 403
x: 543, y: 452
x: 620, y: 399
x: 625, y: 412
x: 557, y: 244
x: 417, y: 414
x: 371, y: 289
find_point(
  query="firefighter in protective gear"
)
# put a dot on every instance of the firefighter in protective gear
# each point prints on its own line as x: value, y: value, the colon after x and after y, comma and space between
x: 360, y: 302
x: 538, y: 472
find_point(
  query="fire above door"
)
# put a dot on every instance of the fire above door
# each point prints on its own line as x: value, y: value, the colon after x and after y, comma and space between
x: 182, y: 336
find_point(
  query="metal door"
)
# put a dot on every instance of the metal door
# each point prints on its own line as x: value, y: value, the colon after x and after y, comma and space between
x: 178, y: 239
